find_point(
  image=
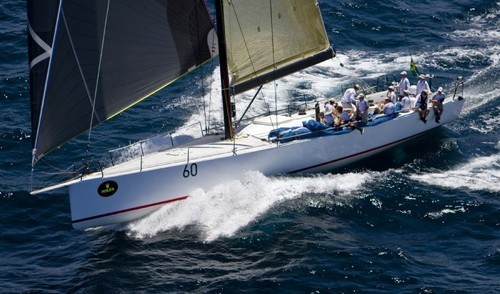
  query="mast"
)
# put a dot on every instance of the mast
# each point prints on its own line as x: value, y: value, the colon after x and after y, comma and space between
x: 224, y: 74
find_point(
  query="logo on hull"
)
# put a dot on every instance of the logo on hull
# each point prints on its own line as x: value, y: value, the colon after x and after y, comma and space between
x: 107, y: 188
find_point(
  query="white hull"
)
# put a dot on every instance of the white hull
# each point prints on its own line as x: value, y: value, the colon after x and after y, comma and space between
x: 168, y: 176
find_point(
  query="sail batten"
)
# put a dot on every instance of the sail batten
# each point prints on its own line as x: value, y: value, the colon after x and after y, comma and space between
x: 108, y: 56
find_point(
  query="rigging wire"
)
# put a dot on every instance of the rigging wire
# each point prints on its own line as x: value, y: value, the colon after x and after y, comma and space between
x: 201, y: 70
x: 208, y: 117
x: 98, y: 75
x: 337, y: 57
x: 274, y: 65
x: 78, y: 63
x: 209, y: 104
x: 60, y: 170
x: 244, y: 42
x: 204, y: 104
x: 243, y: 36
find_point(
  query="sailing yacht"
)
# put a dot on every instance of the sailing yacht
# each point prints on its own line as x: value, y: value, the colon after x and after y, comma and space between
x: 91, y: 60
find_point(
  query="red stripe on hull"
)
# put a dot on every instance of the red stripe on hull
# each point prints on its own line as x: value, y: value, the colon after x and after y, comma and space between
x: 360, y: 153
x: 128, y: 210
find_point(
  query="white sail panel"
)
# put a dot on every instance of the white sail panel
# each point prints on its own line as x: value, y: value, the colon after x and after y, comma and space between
x: 265, y: 35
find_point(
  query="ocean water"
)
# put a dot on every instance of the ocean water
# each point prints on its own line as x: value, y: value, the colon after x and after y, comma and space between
x: 423, y: 217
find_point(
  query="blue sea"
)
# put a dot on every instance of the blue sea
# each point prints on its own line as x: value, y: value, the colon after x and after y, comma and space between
x: 423, y: 217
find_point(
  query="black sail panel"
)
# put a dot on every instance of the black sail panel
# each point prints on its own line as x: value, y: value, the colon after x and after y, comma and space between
x: 108, y: 55
x: 40, y: 38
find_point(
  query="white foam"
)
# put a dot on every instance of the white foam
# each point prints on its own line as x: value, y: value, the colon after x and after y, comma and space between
x: 480, y: 174
x: 441, y: 213
x: 226, y: 208
x: 486, y: 124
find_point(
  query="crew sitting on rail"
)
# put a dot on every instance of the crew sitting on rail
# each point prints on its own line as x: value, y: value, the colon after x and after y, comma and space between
x: 362, y: 108
x: 392, y: 96
x: 322, y: 117
x: 387, y: 107
x: 421, y: 105
x: 345, y: 118
x: 405, y: 101
x: 328, y: 113
x: 329, y: 105
x: 437, y: 103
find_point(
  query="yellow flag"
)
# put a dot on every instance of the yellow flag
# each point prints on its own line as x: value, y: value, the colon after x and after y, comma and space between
x: 413, y: 68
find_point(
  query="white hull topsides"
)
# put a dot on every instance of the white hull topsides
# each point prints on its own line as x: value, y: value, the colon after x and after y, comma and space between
x: 134, y: 189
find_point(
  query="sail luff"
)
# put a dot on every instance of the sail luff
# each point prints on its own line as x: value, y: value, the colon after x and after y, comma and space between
x: 36, y: 119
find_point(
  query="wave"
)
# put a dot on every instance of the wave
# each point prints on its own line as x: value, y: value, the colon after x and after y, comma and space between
x: 443, y: 212
x: 480, y: 174
x: 482, y: 28
x: 227, y: 208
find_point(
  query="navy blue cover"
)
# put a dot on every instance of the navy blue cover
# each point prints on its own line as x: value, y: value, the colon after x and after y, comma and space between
x: 310, y: 129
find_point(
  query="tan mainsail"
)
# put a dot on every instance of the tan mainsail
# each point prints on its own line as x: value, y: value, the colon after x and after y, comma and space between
x: 264, y: 37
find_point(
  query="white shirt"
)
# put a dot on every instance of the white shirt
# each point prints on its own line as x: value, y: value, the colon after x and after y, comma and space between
x: 389, y: 108
x: 418, y: 100
x: 363, y: 105
x: 406, y: 103
x: 422, y: 85
x: 391, y: 95
x: 328, y: 108
x: 349, y: 96
x: 345, y: 116
x: 404, y: 84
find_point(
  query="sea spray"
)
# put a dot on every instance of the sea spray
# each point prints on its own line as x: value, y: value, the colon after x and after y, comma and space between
x: 229, y: 207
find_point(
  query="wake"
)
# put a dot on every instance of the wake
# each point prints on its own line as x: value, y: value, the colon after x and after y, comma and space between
x: 480, y: 174
x: 229, y: 207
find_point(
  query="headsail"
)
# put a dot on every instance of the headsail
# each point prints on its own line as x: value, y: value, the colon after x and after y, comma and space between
x: 267, y: 40
x: 41, y: 37
x: 91, y: 59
